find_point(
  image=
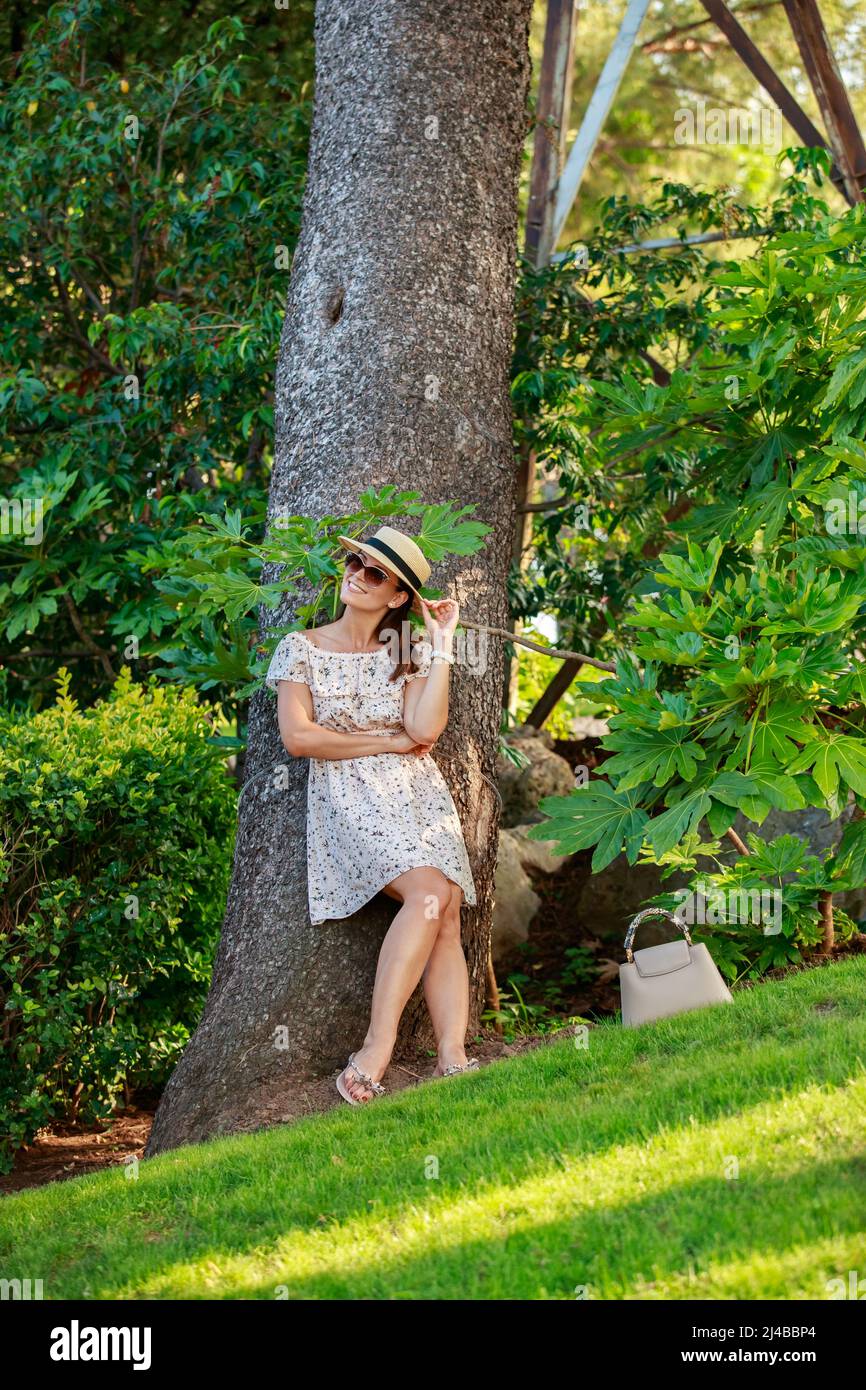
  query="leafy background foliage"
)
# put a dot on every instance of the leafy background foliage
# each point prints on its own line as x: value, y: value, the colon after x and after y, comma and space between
x: 693, y: 417
x: 143, y: 310
x: 118, y: 824
x: 745, y: 682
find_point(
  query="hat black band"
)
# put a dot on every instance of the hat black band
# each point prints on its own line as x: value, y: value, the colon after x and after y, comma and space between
x: 395, y: 559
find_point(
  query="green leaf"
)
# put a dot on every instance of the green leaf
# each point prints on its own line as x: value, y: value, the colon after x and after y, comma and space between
x: 850, y: 857
x: 846, y: 373
x: 652, y: 755
x: 597, y: 815
x: 755, y: 792
x: 666, y: 830
x: 775, y: 858
x: 695, y: 573
x: 832, y: 757
x: 781, y: 724
x: 720, y: 817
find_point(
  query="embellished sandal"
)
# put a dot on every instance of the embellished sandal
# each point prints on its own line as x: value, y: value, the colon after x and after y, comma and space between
x: 366, y: 1081
x: 472, y: 1065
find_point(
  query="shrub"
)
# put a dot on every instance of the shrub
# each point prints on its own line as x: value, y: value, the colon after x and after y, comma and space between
x: 750, y: 625
x: 117, y: 830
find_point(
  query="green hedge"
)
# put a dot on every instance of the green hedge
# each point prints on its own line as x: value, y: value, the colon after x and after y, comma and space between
x: 116, y: 834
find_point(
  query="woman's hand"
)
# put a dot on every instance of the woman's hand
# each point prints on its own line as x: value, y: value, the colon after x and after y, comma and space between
x: 440, y: 620
x: 404, y: 743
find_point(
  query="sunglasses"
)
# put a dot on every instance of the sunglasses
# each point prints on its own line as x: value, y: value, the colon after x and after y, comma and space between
x: 372, y: 574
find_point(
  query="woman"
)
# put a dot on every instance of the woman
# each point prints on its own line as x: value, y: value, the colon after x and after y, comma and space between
x: 365, y: 707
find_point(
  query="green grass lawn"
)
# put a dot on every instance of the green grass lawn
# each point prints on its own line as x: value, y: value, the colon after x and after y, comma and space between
x: 611, y: 1167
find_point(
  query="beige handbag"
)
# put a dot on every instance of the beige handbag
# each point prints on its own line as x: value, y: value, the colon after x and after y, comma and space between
x: 668, y: 979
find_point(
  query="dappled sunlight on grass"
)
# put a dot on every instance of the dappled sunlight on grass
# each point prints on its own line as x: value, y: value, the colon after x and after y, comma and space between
x: 661, y: 1213
x: 606, y: 1166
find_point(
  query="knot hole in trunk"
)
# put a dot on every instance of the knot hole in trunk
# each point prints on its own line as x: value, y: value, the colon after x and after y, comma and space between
x: 334, y: 305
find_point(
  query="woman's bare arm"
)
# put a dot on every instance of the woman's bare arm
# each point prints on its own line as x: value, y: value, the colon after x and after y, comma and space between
x: 425, y: 700
x: 303, y: 738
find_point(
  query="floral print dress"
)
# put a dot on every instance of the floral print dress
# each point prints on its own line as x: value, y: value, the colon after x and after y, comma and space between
x: 372, y: 818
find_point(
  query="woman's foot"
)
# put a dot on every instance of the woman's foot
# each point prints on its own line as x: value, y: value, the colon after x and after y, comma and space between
x: 450, y: 1056
x: 372, y: 1064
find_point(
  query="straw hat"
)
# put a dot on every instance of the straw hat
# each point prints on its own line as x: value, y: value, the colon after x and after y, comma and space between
x: 395, y: 552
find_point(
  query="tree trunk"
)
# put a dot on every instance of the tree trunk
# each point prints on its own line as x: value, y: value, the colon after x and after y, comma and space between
x: 393, y: 368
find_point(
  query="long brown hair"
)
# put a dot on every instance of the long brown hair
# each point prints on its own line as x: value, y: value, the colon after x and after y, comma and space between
x: 394, y: 626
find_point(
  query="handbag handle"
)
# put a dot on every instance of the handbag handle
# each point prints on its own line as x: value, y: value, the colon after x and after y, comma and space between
x: 641, y: 917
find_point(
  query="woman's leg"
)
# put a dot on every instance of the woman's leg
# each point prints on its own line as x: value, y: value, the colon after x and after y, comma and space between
x: 446, y: 988
x: 425, y: 895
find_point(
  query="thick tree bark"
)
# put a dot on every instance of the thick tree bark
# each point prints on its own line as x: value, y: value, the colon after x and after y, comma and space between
x: 393, y: 368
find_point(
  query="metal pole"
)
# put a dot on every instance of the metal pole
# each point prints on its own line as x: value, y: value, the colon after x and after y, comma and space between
x: 552, y: 111
x: 772, y: 84
x: 667, y: 243
x: 840, y: 122
x: 596, y: 114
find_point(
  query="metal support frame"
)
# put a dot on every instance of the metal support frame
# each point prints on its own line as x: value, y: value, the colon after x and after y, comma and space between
x: 771, y: 82
x: 552, y: 196
x: 670, y: 243
x: 552, y: 112
x: 843, y: 133
x: 596, y: 114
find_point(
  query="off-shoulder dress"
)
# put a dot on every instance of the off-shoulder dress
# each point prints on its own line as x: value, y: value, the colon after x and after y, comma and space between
x: 372, y: 818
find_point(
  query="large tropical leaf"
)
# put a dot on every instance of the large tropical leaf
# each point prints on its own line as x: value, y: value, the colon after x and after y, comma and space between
x: 652, y: 755
x: 596, y: 814
x: 666, y: 830
x: 833, y: 757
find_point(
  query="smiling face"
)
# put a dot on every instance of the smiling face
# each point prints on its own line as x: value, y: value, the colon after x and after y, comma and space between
x: 361, y: 588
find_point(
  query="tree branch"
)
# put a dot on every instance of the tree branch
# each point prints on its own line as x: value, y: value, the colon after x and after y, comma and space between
x: 75, y: 619
x: 737, y: 842
x: 537, y: 647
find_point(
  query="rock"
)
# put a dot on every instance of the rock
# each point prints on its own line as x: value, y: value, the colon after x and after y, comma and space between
x: 546, y: 774
x: 610, y: 899
x: 812, y: 824
x: 536, y: 854
x: 516, y: 902
x: 587, y: 726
